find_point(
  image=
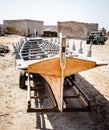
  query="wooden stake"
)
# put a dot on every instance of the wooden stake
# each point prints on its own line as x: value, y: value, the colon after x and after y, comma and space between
x: 62, y: 65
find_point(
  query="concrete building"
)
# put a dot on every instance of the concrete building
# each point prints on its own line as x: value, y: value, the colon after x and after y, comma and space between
x: 24, y: 27
x: 76, y: 29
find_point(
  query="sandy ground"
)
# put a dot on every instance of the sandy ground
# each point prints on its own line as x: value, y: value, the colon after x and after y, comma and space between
x: 13, y: 104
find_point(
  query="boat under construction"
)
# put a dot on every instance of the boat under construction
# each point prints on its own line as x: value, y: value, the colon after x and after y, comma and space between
x: 47, y: 69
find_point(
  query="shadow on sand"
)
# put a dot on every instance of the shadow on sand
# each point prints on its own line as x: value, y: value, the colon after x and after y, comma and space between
x: 97, y: 119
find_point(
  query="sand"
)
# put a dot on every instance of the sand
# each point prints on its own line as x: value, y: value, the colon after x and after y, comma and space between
x: 13, y: 103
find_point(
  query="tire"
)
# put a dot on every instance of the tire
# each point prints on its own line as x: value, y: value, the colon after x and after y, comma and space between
x: 102, y: 43
x: 22, y: 80
x: 87, y: 42
x: 95, y: 42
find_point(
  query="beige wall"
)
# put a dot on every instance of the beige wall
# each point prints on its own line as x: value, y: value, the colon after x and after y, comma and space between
x: 22, y: 26
x: 76, y: 29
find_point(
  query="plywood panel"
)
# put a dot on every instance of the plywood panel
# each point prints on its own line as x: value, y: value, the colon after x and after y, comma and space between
x: 55, y: 84
x: 52, y: 66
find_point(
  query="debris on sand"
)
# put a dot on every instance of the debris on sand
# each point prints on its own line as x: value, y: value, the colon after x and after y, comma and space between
x: 4, y: 49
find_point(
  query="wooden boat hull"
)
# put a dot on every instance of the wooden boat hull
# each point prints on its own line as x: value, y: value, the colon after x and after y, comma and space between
x: 50, y: 69
x: 53, y: 62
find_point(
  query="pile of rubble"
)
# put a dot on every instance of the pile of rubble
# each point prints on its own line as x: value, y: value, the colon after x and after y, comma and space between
x: 3, y: 49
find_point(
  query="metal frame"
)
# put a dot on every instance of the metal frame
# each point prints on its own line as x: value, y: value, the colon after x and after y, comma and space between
x: 29, y: 51
x: 79, y: 95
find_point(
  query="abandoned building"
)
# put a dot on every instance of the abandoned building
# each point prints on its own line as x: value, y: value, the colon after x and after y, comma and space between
x: 70, y: 29
x: 50, y: 31
x: 24, y: 27
x: 76, y: 29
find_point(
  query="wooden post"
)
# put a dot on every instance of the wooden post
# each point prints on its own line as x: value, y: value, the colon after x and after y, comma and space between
x: 62, y: 65
x: 29, y: 92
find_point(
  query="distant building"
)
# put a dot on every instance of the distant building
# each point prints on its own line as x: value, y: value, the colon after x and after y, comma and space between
x: 50, y: 31
x: 24, y: 27
x: 76, y: 29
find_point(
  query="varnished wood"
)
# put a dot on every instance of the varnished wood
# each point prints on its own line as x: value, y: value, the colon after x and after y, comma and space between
x: 52, y: 67
x: 52, y: 72
x: 55, y: 84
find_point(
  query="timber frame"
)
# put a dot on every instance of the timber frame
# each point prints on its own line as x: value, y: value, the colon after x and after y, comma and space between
x: 42, y: 92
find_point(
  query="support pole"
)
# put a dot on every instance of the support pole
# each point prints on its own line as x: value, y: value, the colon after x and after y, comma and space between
x: 29, y: 92
x: 62, y: 65
x: 89, y: 52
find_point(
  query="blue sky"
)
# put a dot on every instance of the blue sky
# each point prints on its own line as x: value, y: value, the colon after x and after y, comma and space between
x: 51, y: 11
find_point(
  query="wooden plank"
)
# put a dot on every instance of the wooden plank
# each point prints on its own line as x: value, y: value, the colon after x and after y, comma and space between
x: 55, y: 84
x: 62, y: 65
x: 52, y: 66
